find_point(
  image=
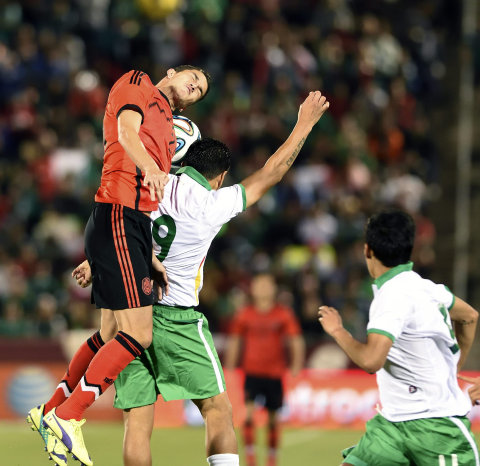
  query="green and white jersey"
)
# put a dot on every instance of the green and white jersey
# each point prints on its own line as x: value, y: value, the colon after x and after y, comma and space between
x: 185, y: 224
x: 418, y: 379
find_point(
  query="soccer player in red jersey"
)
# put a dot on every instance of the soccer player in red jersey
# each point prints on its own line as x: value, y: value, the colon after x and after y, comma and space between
x: 263, y: 327
x: 139, y: 144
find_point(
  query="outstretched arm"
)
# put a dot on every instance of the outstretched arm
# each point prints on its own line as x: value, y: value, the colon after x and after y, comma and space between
x: 278, y: 164
x: 369, y: 356
x: 296, y: 344
x: 464, y: 318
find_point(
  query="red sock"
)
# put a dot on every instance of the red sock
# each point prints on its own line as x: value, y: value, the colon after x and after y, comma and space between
x: 110, y: 360
x: 273, y: 437
x: 77, y: 367
x: 249, y: 442
x: 248, y: 433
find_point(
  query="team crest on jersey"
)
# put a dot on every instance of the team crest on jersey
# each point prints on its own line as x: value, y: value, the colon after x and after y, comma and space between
x: 147, y: 286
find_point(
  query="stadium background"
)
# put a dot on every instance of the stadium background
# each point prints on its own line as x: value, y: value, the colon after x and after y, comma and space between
x: 402, y: 78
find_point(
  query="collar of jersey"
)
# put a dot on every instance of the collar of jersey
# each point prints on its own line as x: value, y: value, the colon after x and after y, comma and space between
x: 194, y: 175
x: 164, y: 96
x: 394, y: 271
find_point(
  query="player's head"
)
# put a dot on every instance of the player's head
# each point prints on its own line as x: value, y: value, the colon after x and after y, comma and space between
x: 389, y: 237
x: 211, y: 158
x: 263, y: 290
x: 185, y: 85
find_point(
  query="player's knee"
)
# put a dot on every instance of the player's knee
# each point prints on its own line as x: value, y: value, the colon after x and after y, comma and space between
x: 217, y: 407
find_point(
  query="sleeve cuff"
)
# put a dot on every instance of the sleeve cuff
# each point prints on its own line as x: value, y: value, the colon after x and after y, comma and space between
x: 133, y: 107
x: 244, y: 196
x: 453, y: 297
x: 381, y: 332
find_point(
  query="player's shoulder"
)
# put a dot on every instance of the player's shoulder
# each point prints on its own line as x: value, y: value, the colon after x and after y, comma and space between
x: 133, y: 79
x: 284, y: 311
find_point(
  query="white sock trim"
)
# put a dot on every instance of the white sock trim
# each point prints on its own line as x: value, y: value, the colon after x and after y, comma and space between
x: 224, y: 459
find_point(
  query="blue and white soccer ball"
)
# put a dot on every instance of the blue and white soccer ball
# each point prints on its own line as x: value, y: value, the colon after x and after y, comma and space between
x: 186, y: 132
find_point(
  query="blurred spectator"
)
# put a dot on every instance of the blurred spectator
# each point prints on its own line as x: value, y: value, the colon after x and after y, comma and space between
x: 381, y: 64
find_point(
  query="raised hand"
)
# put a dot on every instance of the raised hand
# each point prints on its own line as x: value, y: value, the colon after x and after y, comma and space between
x: 313, y: 107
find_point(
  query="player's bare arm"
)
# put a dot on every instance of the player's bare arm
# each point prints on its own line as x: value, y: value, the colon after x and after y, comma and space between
x: 369, y: 356
x: 233, y: 351
x: 129, y: 123
x: 464, y: 318
x: 256, y: 185
x: 296, y: 345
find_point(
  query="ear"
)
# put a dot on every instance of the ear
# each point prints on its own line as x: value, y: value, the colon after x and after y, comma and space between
x: 367, y: 251
x: 218, y: 180
x: 170, y: 73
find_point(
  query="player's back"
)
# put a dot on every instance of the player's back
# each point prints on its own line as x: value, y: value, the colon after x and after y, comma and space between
x: 184, y: 226
x: 419, y: 377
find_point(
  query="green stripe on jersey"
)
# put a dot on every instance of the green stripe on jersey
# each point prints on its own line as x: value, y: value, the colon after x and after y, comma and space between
x: 244, y: 196
x: 195, y: 175
x: 381, y: 332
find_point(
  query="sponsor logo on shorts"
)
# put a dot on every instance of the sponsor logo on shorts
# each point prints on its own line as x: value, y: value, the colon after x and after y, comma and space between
x: 147, y: 286
x: 108, y: 381
x: 412, y: 389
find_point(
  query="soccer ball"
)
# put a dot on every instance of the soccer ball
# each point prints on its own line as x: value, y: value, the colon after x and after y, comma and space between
x: 186, y: 132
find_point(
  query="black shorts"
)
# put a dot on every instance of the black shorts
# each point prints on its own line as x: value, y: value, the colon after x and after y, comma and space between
x: 270, y: 389
x: 118, y: 246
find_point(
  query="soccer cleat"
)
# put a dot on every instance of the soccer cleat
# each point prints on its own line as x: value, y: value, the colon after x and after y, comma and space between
x: 70, y: 434
x: 56, y: 450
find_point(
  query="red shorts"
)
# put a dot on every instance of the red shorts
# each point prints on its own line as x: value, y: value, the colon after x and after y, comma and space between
x: 118, y: 246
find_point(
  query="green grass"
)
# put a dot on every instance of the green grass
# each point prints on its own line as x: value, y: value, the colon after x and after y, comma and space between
x: 175, y: 447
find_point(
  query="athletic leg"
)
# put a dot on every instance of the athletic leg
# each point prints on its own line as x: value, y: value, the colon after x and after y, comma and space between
x: 273, y: 437
x: 249, y: 433
x: 219, y: 432
x: 134, y: 334
x: 81, y: 359
x: 220, y: 440
x: 104, y: 368
x: 138, y: 423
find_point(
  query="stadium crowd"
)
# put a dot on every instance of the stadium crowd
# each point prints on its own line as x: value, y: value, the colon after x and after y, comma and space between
x: 381, y: 64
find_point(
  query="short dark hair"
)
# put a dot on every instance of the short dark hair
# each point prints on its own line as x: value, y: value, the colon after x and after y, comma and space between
x: 209, y: 157
x: 207, y: 75
x: 390, y: 235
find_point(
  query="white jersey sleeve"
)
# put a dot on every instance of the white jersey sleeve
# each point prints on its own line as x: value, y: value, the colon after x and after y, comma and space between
x: 388, y: 315
x: 224, y: 204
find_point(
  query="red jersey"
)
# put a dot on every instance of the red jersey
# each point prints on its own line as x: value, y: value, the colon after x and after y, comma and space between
x: 263, y: 336
x: 122, y: 180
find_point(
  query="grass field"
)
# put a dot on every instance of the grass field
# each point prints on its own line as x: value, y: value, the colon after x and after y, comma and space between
x: 173, y: 447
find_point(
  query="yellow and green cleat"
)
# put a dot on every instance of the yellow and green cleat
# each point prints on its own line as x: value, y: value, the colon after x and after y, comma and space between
x: 56, y: 450
x: 69, y: 433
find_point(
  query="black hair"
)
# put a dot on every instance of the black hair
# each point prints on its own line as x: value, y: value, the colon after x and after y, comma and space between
x: 390, y: 235
x: 207, y: 75
x: 209, y: 157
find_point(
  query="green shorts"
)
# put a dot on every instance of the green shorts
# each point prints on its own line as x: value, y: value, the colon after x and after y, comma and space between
x: 443, y: 441
x: 181, y: 363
